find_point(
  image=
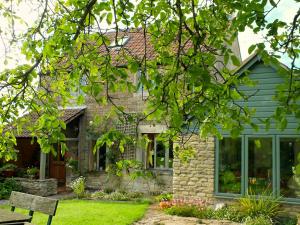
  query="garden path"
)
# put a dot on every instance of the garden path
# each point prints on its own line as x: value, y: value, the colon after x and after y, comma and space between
x: 154, y: 216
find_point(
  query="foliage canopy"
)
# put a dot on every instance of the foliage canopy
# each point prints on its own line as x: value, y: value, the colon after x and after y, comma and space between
x: 189, y: 81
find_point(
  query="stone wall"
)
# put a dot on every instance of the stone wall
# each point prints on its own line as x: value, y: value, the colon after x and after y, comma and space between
x: 161, y: 182
x: 45, y: 187
x: 195, y: 179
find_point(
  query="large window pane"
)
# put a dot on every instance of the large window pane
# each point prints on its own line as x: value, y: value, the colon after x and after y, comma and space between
x: 230, y: 166
x: 289, y: 160
x: 161, y: 150
x: 260, y: 166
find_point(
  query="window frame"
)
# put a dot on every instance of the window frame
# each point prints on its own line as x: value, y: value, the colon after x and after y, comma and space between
x: 284, y: 199
x: 217, y: 167
x: 245, y: 166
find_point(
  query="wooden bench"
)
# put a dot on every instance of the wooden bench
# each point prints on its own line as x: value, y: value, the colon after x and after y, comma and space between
x: 33, y: 204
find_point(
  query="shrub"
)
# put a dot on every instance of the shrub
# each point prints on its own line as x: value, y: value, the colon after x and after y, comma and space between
x: 260, y: 220
x: 8, y: 166
x: 135, y: 195
x: 286, y: 220
x: 98, y: 195
x: 185, y: 211
x: 227, y: 213
x: 116, y: 196
x: 8, y: 186
x: 78, y: 187
x: 108, y: 190
x: 253, y: 206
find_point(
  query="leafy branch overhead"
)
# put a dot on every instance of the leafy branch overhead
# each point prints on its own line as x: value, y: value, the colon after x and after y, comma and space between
x: 186, y: 64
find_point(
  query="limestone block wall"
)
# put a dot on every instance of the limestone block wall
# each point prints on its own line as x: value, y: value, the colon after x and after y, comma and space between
x: 161, y: 183
x: 195, y: 179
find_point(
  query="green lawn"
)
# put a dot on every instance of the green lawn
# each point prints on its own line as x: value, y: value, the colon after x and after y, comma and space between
x: 81, y: 212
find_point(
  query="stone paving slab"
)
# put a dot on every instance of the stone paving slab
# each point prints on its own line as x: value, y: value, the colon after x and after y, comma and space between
x: 154, y: 216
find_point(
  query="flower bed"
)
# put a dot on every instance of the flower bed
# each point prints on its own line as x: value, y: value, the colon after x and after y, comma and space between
x: 248, y: 210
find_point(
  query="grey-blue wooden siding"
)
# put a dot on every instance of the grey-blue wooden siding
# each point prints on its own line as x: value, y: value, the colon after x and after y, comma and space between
x: 263, y: 101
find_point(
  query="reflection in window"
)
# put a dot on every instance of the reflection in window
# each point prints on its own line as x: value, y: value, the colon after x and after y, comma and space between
x: 289, y: 160
x: 230, y: 166
x: 159, y: 153
x: 260, y: 165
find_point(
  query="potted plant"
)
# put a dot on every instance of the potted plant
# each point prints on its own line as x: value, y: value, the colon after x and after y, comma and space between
x: 8, y: 170
x: 32, y: 172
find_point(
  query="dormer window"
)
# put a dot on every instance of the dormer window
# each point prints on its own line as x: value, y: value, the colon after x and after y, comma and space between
x: 119, y: 43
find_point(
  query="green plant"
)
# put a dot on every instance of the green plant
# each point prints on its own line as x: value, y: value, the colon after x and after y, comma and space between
x: 135, y: 195
x: 260, y: 220
x: 98, y: 195
x: 185, y: 211
x: 108, y: 190
x: 72, y: 164
x: 78, y: 187
x: 32, y: 171
x: 8, y: 167
x: 254, y: 206
x: 8, y: 186
x: 164, y: 197
x: 286, y: 220
x: 116, y: 196
x: 227, y: 213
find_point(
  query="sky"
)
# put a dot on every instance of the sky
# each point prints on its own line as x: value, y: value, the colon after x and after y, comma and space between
x: 29, y: 12
x: 285, y: 11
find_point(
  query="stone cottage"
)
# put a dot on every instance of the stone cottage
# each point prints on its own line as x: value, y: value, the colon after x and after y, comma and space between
x: 222, y: 169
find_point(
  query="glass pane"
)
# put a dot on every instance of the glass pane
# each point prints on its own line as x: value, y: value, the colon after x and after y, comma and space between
x: 230, y: 166
x: 260, y: 166
x: 150, y: 151
x: 102, y: 158
x: 171, y: 155
x: 161, y: 148
x: 289, y: 161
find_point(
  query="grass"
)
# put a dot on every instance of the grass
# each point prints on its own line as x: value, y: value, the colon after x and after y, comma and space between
x: 78, y: 212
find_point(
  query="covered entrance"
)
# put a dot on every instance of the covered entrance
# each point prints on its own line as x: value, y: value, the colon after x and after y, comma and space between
x: 49, y: 165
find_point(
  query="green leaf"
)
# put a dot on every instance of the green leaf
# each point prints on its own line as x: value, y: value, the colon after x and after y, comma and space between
x: 109, y: 18
x: 273, y: 3
x: 235, y: 60
x: 226, y: 58
x: 251, y: 49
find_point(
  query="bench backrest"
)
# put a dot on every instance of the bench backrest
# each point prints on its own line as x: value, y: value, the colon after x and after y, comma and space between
x: 34, y: 204
x: 21, y: 200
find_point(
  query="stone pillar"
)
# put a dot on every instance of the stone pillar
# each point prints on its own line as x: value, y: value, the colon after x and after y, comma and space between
x: 42, y: 166
x: 195, y: 179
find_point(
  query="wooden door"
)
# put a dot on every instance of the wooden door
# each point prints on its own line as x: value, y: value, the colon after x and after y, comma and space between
x: 57, y: 167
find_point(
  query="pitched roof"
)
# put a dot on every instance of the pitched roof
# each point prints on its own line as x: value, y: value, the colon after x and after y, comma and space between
x: 138, y: 46
x: 251, y: 60
x: 68, y: 115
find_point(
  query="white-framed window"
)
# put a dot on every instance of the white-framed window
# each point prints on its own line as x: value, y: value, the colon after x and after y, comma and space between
x: 159, y: 153
x: 121, y: 41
